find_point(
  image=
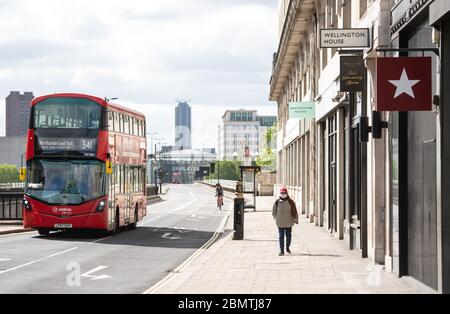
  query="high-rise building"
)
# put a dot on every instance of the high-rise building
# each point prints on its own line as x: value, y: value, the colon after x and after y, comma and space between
x: 18, y: 113
x: 183, y: 126
x: 241, y: 131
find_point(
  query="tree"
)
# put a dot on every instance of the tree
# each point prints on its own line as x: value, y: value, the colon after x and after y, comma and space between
x: 268, y: 158
x: 229, y: 170
x: 9, y: 174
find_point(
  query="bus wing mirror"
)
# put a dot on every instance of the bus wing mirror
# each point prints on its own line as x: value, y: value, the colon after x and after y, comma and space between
x: 109, y: 167
x: 22, y: 174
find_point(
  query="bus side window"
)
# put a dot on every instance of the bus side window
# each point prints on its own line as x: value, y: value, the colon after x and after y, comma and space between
x: 126, y: 124
x: 110, y: 121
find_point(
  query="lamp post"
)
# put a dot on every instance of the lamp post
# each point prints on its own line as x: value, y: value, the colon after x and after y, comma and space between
x: 151, y: 140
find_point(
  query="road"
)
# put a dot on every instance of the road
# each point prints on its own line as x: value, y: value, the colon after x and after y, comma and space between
x: 129, y: 262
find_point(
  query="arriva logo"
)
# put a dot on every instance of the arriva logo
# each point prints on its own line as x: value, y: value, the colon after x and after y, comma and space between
x: 64, y: 210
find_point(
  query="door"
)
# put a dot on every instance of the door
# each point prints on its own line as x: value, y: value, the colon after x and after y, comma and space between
x: 332, y: 184
x: 422, y: 198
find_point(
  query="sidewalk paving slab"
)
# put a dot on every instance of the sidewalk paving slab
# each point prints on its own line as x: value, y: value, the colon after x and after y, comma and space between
x: 320, y: 263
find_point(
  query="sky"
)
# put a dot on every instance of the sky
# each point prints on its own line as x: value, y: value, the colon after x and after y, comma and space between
x: 216, y: 53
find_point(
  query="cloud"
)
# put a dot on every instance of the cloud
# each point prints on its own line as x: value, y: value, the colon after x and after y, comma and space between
x: 205, y: 119
x: 2, y: 116
x: 216, y: 52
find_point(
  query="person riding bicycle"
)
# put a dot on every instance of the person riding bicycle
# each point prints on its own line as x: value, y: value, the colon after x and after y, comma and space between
x: 219, y: 191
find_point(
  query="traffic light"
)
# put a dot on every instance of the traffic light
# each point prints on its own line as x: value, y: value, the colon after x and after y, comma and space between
x: 213, y: 167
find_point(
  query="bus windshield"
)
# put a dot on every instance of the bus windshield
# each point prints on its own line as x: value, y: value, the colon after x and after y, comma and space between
x: 67, y: 113
x: 66, y: 182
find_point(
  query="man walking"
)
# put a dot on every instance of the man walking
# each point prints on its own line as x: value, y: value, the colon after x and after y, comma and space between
x: 285, y: 214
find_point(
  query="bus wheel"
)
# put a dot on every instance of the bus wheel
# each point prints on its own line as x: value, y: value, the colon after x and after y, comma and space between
x: 136, y: 219
x: 43, y: 232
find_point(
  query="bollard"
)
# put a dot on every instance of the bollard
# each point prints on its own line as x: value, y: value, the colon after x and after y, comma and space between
x: 239, y: 211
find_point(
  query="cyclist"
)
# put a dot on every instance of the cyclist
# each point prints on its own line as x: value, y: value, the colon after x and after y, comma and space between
x: 219, y: 195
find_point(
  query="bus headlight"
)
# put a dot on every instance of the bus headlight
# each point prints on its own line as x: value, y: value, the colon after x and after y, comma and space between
x: 101, y: 206
x: 27, y: 205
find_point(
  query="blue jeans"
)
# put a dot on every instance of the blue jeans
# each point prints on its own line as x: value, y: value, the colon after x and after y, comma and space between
x: 288, y: 233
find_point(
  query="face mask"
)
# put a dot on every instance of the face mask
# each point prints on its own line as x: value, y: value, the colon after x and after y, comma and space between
x: 283, y: 196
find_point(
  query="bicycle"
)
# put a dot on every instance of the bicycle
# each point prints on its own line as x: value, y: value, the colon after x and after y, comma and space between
x: 219, y: 202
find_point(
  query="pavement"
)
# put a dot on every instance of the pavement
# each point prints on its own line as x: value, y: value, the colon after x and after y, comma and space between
x: 319, y: 263
x: 185, y: 221
x: 8, y: 227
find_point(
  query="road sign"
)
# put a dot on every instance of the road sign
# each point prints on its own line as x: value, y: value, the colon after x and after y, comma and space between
x: 345, y: 38
x: 404, y: 84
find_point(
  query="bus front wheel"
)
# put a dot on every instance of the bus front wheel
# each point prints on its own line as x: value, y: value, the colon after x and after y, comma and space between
x: 43, y: 232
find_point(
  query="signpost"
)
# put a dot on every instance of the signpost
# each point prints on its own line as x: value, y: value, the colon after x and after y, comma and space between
x: 345, y: 38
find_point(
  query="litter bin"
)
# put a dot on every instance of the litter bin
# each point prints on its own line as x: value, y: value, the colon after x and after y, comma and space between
x: 238, y: 219
x: 239, y: 210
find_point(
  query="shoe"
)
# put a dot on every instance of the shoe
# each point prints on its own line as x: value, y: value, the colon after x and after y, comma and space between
x: 289, y: 251
x: 281, y: 254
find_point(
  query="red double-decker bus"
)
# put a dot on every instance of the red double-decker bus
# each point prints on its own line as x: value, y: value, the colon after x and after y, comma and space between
x: 86, y: 165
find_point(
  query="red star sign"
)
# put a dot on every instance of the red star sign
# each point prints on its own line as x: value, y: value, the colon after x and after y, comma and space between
x: 404, y: 84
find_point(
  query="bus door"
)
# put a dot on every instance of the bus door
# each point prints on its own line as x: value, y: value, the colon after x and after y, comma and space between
x: 127, y: 193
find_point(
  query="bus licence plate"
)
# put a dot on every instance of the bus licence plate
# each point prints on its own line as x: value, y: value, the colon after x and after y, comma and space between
x: 63, y: 226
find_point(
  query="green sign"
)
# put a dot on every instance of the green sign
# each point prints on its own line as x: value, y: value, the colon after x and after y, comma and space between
x: 302, y: 110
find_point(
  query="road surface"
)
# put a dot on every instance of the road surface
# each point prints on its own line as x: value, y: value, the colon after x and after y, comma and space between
x: 129, y: 262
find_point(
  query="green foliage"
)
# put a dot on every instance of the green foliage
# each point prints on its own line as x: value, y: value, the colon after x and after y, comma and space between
x: 9, y: 174
x: 267, y: 157
x: 229, y: 170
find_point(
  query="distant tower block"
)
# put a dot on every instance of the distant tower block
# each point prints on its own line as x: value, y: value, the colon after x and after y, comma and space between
x: 183, y: 126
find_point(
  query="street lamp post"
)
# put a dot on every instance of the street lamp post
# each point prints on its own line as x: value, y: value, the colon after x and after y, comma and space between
x: 151, y: 141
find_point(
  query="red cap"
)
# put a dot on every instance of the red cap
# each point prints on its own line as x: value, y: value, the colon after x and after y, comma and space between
x: 283, y: 191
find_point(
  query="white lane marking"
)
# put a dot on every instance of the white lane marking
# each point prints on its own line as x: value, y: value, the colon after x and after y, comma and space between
x: 167, y: 236
x: 105, y: 238
x: 4, y: 260
x: 160, y: 284
x: 95, y: 270
x: 37, y: 261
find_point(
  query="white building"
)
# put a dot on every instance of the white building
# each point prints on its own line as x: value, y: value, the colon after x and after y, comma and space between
x: 241, y: 129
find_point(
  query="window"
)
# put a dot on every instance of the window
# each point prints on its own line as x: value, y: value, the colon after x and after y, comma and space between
x: 116, y: 122
x: 120, y: 123
x: 67, y: 113
x: 111, y: 121
x: 126, y: 124
x: 66, y: 182
x: 362, y: 7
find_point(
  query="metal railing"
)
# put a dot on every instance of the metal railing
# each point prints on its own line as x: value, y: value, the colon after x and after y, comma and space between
x: 15, y: 185
x: 11, y: 206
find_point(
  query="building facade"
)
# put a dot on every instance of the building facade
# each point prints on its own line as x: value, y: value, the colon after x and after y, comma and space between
x: 241, y: 130
x: 185, y: 166
x: 183, y: 126
x: 385, y: 197
x: 18, y: 113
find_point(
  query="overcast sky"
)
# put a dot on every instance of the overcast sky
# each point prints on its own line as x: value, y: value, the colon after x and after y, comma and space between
x: 217, y: 53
